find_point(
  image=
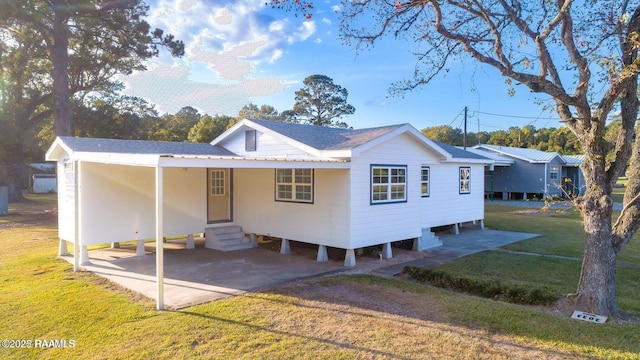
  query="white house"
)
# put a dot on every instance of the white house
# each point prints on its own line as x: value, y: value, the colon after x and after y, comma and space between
x: 331, y: 187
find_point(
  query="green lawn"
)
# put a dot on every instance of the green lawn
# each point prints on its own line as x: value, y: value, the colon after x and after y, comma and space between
x: 342, y: 317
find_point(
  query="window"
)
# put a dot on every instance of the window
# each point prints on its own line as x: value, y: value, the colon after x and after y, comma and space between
x: 68, y: 165
x: 295, y: 185
x: 250, y: 140
x: 553, y: 175
x: 217, y: 182
x: 465, y: 180
x: 424, y: 181
x: 388, y: 184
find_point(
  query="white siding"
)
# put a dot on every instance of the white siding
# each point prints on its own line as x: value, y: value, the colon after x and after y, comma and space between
x: 126, y: 211
x: 325, y: 222
x: 66, y: 203
x: 266, y: 145
x: 446, y: 205
x: 374, y: 224
x: 43, y: 185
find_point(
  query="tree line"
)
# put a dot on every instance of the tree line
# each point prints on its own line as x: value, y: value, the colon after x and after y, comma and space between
x: 560, y: 140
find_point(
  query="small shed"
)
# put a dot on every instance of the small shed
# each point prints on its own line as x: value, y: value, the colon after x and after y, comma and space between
x: 44, y: 183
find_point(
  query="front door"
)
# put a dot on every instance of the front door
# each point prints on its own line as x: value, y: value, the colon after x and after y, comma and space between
x: 219, y: 195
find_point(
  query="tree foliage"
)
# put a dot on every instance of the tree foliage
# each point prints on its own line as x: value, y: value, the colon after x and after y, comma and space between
x: 263, y: 112
x: 86, y: 42
x: 560, y: 140
x: 209, y: 128
x: 321, y: 102
x: 581, y: 55
x: 54, y: 53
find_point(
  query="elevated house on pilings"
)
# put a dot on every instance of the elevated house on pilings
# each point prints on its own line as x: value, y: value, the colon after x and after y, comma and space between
x: 518, y: 173
x: 340, y: 188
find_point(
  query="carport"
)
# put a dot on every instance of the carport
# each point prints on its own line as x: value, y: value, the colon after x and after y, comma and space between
x: 157, y: 182
x: 200, y: 275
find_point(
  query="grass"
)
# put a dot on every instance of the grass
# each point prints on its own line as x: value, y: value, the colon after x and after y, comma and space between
x: 340, y: 317
x: 560, y: 231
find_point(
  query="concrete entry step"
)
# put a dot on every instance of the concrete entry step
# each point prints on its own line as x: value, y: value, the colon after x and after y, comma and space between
x: 226, y: 238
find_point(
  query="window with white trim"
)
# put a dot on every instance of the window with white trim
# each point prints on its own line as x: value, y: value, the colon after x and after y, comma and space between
x: 553, y: 174
x: 250, y: 137
x: 217, y: 182
x: 465, y: 180
x: 294, y: 185
x: 425, y: 173
x: 69, y: 165
x: 388, y: 184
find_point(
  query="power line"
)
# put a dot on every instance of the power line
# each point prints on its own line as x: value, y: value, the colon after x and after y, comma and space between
x: 516, y: 116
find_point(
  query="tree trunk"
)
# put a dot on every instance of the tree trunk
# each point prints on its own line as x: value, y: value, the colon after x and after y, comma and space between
x: 597, y: 286
x: 60, y: 62
x: 15, y: 184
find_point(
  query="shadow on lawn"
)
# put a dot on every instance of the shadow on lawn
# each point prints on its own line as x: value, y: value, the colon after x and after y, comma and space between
x: 307, y: 297
x: 372, y: 297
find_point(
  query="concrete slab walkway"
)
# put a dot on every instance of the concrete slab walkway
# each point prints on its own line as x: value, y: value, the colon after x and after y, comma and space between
x: 468, y: 242
x: 202, y: 275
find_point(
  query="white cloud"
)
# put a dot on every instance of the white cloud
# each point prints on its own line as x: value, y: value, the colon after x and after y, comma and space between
x: 229, y: 39
x: 171, y: 88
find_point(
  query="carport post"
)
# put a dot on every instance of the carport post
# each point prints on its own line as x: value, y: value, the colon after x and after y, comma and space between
x: 159, y: 241
x: 78, y: 217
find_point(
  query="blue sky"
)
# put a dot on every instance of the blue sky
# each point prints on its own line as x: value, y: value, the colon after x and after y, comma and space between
x: 242, y: 51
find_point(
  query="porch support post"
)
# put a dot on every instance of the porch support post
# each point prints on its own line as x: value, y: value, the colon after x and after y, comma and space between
x: 84, y: 255
x: 350, y: 258
x: 62, y: 248
x: 456, y: 229
x: 285, y: 248
x: 254, y: 239
x: 386, y: 251
x: 191, y: 244
x: 78, y: 217
x: 322, y: 254
x: 140, y: 248
x: 159, y: 240
x: 481, y: 224
x: 115, y: 245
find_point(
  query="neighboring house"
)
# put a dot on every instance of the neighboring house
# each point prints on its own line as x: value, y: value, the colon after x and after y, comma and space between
x: 331, y: 187
x: 519, y: 173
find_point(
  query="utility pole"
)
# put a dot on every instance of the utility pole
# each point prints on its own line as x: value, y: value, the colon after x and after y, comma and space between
x: 464, y: 134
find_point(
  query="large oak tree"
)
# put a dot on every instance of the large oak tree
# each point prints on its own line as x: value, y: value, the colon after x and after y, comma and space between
x: 582, y: 55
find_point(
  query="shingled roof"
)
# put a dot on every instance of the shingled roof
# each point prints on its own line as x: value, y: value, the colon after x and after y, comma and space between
x: 144, y: 147
x: 327, y: 138
x: 460, y: 153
